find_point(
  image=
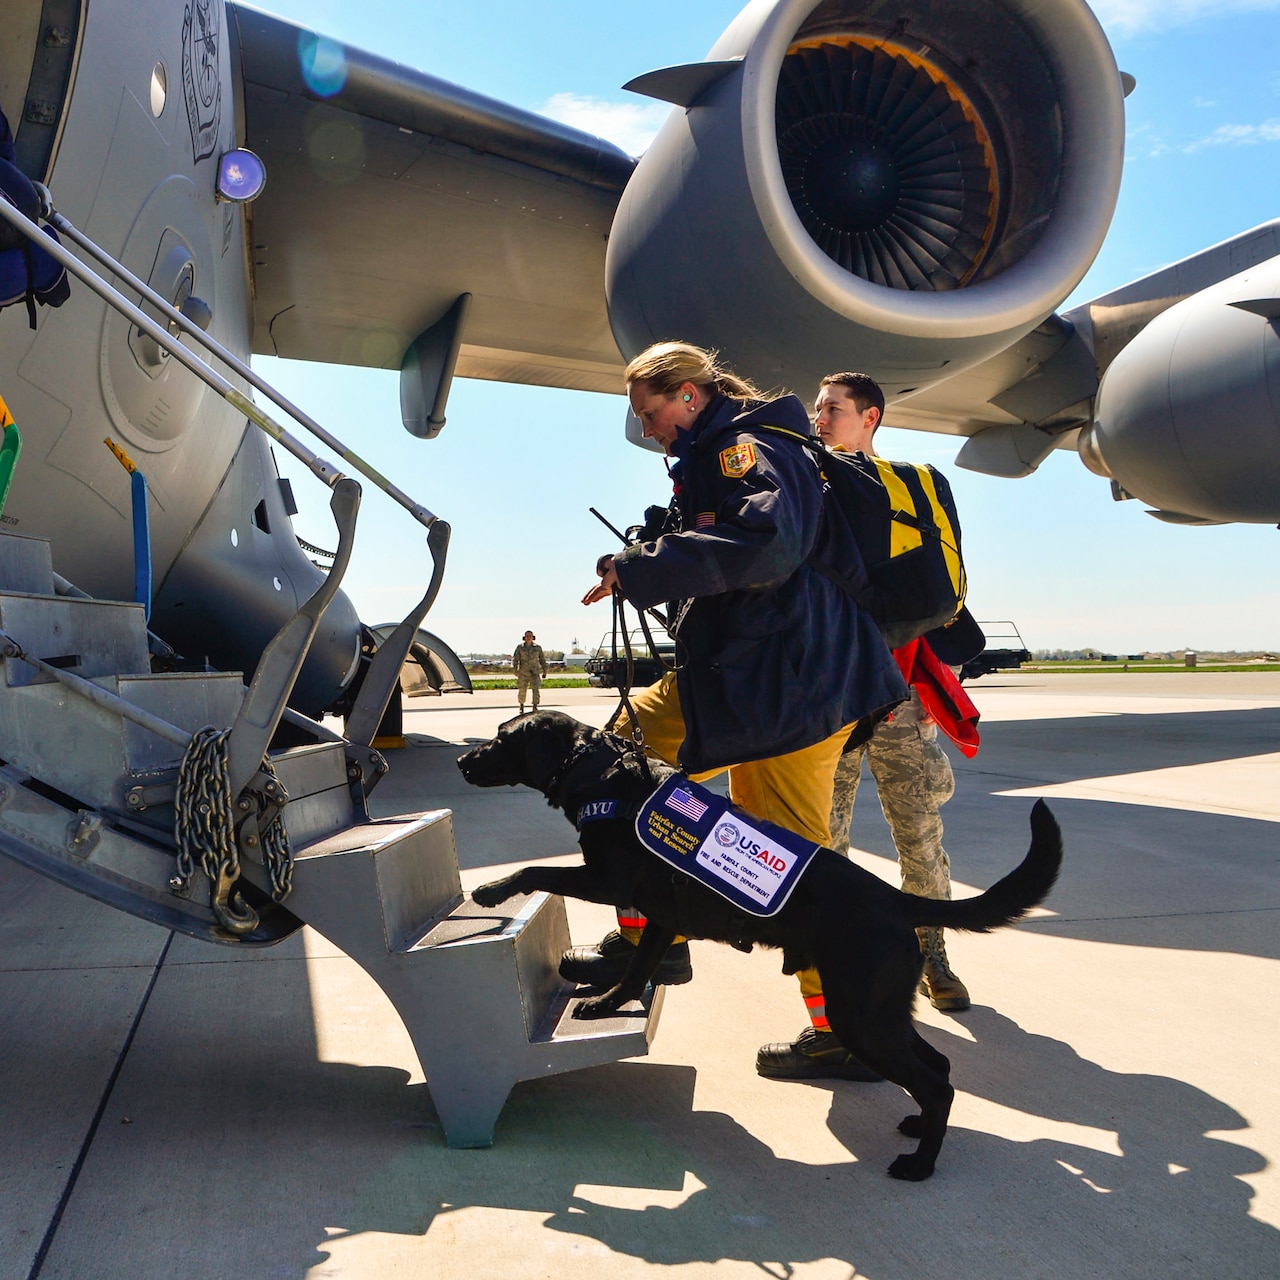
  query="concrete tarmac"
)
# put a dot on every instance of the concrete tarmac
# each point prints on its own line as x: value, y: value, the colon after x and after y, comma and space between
x: 170, y: 1109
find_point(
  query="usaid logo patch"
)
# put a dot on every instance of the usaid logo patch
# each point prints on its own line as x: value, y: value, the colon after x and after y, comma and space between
x: 749, y: 862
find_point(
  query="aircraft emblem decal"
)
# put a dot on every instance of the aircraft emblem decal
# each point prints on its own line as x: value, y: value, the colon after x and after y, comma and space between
x: 201, y: 83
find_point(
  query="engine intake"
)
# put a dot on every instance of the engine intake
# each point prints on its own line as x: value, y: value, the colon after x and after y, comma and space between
x: 887, y: 162
x: 906, y: 190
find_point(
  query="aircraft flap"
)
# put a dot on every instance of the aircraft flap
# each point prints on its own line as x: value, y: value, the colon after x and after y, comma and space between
x: 390, y: 193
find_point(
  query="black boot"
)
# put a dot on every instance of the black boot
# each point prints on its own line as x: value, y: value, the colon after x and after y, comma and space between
x: 939, y: 982
x: 604, y: 964
x: 815, y: 1055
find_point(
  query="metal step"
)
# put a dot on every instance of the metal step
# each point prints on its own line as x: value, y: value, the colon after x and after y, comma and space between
x: 26, y: 565
x: 86, y: 637
x: 86, y: 797
x: 94, y: 755
x: 477, y: 989
x: 320, y: 800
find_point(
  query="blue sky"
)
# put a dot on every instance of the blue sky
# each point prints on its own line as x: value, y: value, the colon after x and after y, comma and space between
x: 516, y: 467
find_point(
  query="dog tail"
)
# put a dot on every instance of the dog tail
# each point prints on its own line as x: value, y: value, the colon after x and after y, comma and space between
x: 1026, y: 886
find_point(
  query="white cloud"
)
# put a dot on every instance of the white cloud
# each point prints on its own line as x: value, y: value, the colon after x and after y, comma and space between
x: 1126, y: 17
x: 1238, y: 135
x: 631, y: 125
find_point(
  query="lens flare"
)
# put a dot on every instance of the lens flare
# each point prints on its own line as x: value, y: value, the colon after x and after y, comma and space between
x: 323, y: 63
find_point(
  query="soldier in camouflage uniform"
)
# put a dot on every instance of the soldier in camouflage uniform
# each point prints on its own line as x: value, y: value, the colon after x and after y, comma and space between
x: 911, y: 770
x: 914, y: 777
x: 530, y: 666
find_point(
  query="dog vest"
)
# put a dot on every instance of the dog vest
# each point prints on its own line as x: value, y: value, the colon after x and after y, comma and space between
x: 752, y: 863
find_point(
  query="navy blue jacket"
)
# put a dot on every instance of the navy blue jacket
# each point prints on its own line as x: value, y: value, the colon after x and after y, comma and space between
x: 771, y: 656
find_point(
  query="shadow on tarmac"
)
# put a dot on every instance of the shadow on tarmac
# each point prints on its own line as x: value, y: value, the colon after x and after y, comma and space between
x: 1069, y: 748
x: 366, y: 1156
x: 1136, y: 874
x: 1171, y: 1194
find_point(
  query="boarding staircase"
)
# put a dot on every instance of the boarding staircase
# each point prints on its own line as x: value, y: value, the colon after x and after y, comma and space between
x: 103, y: 770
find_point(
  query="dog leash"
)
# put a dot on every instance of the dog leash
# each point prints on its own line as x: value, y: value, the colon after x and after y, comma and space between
x: 624, y: 690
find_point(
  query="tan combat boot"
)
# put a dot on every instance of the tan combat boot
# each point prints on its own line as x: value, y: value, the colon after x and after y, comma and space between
x: 944, y: 989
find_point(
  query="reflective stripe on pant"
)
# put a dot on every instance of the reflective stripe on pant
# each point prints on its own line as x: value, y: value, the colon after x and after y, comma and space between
x: 793, y: 791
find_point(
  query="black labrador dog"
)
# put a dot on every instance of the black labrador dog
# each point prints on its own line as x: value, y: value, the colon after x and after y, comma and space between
x: 857, y: 931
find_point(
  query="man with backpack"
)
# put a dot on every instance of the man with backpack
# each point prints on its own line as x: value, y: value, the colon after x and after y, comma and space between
x: 912, y: 773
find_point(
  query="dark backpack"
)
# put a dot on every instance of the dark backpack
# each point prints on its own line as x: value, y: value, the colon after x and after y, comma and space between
x: 890, y: 538
x: 27, y: 273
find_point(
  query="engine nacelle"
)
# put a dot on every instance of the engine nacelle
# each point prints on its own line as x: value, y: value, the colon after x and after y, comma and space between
x: 903, y: 189
x: 1187, y: 417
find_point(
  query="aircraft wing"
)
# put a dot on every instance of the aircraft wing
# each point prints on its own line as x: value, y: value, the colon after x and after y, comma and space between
x: 1035, y: 396
x: 1015, y: 407
x: 390, y: 193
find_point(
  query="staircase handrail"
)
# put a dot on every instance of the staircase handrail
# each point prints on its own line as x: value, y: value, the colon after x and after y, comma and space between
x: 65, y: 227
x: 318, y: 466
x: 438, y: 530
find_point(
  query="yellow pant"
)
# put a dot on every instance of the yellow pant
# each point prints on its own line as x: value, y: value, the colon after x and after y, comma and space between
x: 793, y: 791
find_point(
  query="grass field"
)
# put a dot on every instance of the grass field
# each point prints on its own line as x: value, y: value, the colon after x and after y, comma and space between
x: 1049, y: 668
x: 548, y: 682
x: 577, y: 681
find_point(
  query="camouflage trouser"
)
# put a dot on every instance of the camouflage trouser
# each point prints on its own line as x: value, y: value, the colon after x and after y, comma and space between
x: 525, y: 679
x: 914, y: 778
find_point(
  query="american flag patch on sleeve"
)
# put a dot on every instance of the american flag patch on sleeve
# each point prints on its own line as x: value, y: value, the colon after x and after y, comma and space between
x: 682, y: 802
x: 704, y: 519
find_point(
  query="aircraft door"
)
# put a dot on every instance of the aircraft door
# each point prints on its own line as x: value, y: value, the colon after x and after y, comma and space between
x: 151, y: 399
x: 37, y: 62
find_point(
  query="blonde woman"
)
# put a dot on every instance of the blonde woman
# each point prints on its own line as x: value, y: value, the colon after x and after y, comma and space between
x: 774, y: 662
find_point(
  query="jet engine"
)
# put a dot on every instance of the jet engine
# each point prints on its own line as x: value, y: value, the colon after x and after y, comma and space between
x: 1187, y: 417
x: 903, y: 188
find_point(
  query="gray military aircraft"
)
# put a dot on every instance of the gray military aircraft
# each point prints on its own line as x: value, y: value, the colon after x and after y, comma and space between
x: 924, y: 188
x: 923, y: 182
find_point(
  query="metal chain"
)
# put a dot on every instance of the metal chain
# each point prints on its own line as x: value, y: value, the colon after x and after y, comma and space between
x: 204, y: 828
x: 202, y: 807
x: 276, y: 854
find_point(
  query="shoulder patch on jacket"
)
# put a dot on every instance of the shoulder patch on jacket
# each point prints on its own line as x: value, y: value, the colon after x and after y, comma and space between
x: 738, y: 459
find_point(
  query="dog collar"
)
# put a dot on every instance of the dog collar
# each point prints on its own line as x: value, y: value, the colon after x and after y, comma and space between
x: 598, y: 811
x: 555, y: 780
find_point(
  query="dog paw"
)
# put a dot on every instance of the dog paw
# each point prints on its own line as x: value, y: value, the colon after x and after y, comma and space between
x: 912, y: 1126
x: 596, y: 1007
x: 488, y: 895
x: 910, y: 1168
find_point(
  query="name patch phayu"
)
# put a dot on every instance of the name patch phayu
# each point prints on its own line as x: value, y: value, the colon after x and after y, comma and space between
x: 751, y: 863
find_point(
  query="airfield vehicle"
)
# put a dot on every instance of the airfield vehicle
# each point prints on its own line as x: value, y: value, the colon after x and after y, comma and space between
x: 1004, y: 651
x: 607, y: 667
